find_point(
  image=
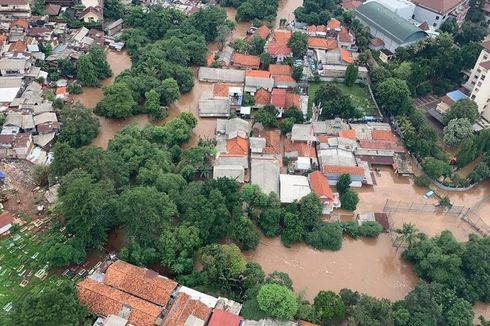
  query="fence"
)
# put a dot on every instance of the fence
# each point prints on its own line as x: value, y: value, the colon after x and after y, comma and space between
x: 476, y: 222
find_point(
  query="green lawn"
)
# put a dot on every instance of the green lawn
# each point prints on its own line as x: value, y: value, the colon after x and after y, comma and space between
x: 358, y: 93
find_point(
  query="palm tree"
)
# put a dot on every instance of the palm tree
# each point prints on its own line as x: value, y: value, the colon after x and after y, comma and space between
x: 406, y: 235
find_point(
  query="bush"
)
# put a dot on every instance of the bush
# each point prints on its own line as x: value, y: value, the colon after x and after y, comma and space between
x: 349, y: 200
x: 370, y: 229
x: 422, y: 181
x: 326, y: 236
x: 277, y: 301
x: 74, y: 88
x: 351, y: 228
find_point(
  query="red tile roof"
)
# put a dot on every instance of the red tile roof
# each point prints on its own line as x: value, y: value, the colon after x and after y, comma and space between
x: 337, y: 169
x: 321, y: 43
x: 221, y: 90
x: 278, y: 49
x: 376, y: 41
x: 383, y: 135
x: 262, y: 97
x: 237, y: 146
x: 182, y: 308
x: 381, y: 144
x: 245, y: 60
x: 105, y: 300
x: 21, y: 22
x: 263, y: 32
x: 284, y: 79
x: 351, y: 4
x: 305, y: 323
x: 293, y: 99
x: 278, y: 69
x: 302, y: 148
x: 321, y: 29
x: 278, y: 98
x: 319, y: 185
x: 281, y: 36
x: 333, y: 24
x: 344, y: 36
x: 440, y: 6
x: 350, y: 133
x: 141, y: 282
x: 223, y: 318
x: 18, y: 46
x: 346, y: 55
x: 258, y: 73
x: 311, y: 29
x: 61, y: 91
x: 5, y: 219
x: 485, y: 65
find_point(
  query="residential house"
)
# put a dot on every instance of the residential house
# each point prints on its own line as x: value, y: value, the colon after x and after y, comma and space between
x: 232, y: 128
x: 266, y: 145
x: 284, y: 82
x: 215, y: 75
x: 22, y: 145
x: 232, y: 158
x: 234, y: 93
x: 92, y: 15
x: 263, y: 32
x: 334, y: 25
x: 320, y: 187
x: 277, y: 47
x: 346, y: 40
x: 280, y: 70
x: 115, y: 27
x: 255, y: 80
x: 52, y: 10
x: 329, y: 127
x: 15, y: 8
x: 303, y: 133
x: 245, y: 61
x: 6, y: 222
x: 393, y: 30
x: 333, y: 173
x: 224, y: 57
x: 446, y: 102
x: 436, y: 12
x: 235, y: 172
x: 321, y: 43
x: 479, y: 82
x: 265, y: 174
x: 14, y: 67
x: 293, y: 187
x: 317, y: 31
x: 298, y: 101
x: 278, y: 98
x: 9, y: 88
x: 301, y: 155
x: 220, y: 317
x: 262, y: 97
x: 210, y: 106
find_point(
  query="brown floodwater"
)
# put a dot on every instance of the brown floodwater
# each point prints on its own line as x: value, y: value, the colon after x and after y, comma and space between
x: 286, y: 10
x: 241, y: 28
x: 370, y: 266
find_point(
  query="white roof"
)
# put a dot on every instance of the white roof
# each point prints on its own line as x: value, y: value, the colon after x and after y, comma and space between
x: 221, y: 75
x: 302, y: 133
x: 259, y: 82
x: 303, y: 163
x: 265, y: 174
x: 208, y: 300
x: 293, y: 187
x: 236, y: 172
x: 7, y: 95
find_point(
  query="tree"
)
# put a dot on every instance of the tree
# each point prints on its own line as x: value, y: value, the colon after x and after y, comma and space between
x: 436, y: 168
x: 222, y: 263
x: 325, y: 236
x: 280, y: 278
x: 334, y: 103
x: 80, y: 126
x: 371, y: 311
x: 223, y: 32
x: 118, y: 102
x: 406, y: 235
x: 297, y: 73
x: 286, y: 125
x: 394, y: 95
x: 57, y: 304
x: 98, y: 58
x: 476, y: 267
x: 65, y: 67
x: 245, y: 234
x: 277, y: 301
x: 370, y: 229
x: 481, y: 172
x: 152, y: 105
x: 298, y: 43
x: 265, y: 60
x: 351, y: 74
x: 343, y: 183
x: 170, y: 91
x: 266, y: 116
x: 113, y: 9
x: 253, y: 275
x: 86, y: 73
x: 349, y: 297
x: 177, y: 246
x: 293, y: 229
x: 329, y: 307
x: 257, y: 45
x: 74, y: 88
x: 207, y: 20
x: 349, y: 200
x: 457, y: 131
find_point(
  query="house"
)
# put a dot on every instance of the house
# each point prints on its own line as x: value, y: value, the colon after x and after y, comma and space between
x: 267, y: 144
x: 229, y: 91
x: 210, y: 106
x: 330, y: 127
x: 376, y: 43
x: 446, y: 102
x: 320, y: 187
x: 9, y: 88
x: 265, y: 174
x: 317, y: 31
x: 263, y: 32
x: 280, y: 70
x: 245, y: 61
x: 6, y: 222
x: 92, y: 15
x: 302, y: 133
x: 333, y: 25
x: 15, y: 8
x: 333, y: 173
x: 262, y: 97
x: 22, y: 145
x: 232, y: 128
x: 346, y: 40
x: 278, y: 98
x: 277, y: 46
x: 52, y: 10
x: 215, y: 75
x: 293, y: 187
x: 14, y: 67
x: 479, y: 82
x: 436, y: 12
x: 220, y: 317
x: 303, y: 152
x: 393, y: 30
x: 321, y: 43
x: 235, y: 172
x: 114, y: 27
x: 283, y: 81
x: 255, y: 80
x: 224, y: 57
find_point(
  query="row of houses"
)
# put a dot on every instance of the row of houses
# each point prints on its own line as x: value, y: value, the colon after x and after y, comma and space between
x: 121, y: 294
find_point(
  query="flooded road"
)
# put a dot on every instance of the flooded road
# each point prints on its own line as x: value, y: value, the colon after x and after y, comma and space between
x: 286, y: 10
x: 370, y: 266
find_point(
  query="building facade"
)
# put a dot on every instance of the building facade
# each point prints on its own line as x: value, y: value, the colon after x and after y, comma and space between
x: 436, y: 12
x: 479, y: 82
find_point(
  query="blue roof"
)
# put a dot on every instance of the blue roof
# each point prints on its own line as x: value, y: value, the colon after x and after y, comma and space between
x: 456, y: 95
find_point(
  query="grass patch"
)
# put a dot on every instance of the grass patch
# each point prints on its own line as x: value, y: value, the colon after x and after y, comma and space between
x: 358, y: 93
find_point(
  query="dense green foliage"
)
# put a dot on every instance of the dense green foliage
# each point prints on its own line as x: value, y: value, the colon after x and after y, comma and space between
x: 464, y: 108
x: 277, y: 301
x: 80, y: 126
x: 92, y: 67
x: 334, y: 103
x: 457, y: 131
x: 316, y: 12
x: 298, y: 43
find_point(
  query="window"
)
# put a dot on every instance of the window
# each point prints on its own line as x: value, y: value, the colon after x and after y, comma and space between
x: 437, y: 17
x: 479, y: 84
x: 435, y: 24
x: 485, y: 57
x: 476, y: 90
x: 473, y: 97
x: 413, y: 16
x: 482, y: 77
x: 473, y: 82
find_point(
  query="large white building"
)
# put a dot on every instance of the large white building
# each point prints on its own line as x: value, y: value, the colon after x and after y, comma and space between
x: 402, y: 8
x: 479, y: 82
x: 436, y: 12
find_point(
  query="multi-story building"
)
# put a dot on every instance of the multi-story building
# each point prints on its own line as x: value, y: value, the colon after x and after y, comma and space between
x: 17, y: 8
x: 436, y: 12
x: 479, y: 82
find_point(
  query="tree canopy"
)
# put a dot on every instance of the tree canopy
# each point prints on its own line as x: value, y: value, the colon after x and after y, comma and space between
x: 277, y: 301
x: 80, y: 126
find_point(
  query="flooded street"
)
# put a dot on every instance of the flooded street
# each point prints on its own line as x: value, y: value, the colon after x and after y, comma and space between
x: 371, y: 266
x: 286, y: 10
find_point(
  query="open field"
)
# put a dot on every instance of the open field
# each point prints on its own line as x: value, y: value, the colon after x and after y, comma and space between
x: 358, y: 93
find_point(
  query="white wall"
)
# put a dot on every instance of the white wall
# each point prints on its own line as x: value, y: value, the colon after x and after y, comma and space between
x: 402, y: 8
x: 5, y: 228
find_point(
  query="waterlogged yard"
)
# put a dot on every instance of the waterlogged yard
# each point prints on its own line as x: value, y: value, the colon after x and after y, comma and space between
x: 358, y: 93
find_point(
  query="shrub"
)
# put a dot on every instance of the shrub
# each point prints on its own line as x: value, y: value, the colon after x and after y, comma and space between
x: 351, y: 228
x: 370, y: 229
x: 277, y: 301
x: 422, y: 181
x: 349, y: 200
x: 326, y: 236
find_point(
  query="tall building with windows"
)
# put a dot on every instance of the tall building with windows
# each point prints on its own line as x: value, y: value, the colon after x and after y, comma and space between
x: 436, y: 12
x: 479, y: 82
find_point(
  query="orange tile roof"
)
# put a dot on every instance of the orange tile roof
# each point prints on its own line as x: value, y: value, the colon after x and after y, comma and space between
x: 223, y: 318
x: 376, y: 41
x: 276, y: 49
x: 21, y: 22
x: 141, y: 282
x: 61, y: 91
x: 381, y: 144
x: 221, y: 90
x: 18, y: 46
x: 319, y: 185
x: 278, y: 69
x: 293, y: 99
x: 311, y: 29
x: 344, y: 36
x: 105, y: 300
x: 262, y: 97
x: 210, y: 60
x: 245, y: 60
x: 337, y: 169
x: 182, y: 308
x: 302, y: 148
x: 284, y: 79
x: 321, y: 28
x: 346, y: 55
x: 237, y: 146
x: 321, y: 43
x: 258, y: 73
x: 263, y: 32
x: 272, y: 141
x: 322, y: 138
x: 350, y: 133
x: 278, y: 98
x: 333, y: 24
x: 383, y: 135
x: 281, y: 36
